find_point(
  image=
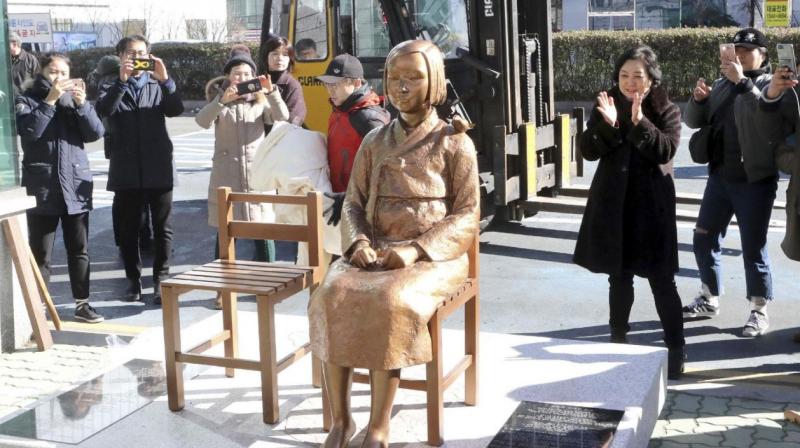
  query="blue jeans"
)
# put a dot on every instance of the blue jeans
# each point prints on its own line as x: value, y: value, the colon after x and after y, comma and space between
x: 752, y: 206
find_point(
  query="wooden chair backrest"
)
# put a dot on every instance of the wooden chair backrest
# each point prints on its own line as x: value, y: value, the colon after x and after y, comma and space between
x: 229, y: 229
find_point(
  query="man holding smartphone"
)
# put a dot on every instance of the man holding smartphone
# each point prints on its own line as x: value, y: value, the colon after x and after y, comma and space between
x: 141, y: 167
x: 742, y: 178
x: 777, y: 119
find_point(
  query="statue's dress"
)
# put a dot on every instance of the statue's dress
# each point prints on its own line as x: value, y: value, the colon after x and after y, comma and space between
x: 419, y: 188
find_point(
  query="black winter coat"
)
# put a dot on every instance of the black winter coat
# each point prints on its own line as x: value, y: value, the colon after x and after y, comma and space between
x: 55, y: 168
x: 140, y: 148
x: 292, y: 95
x: 629, y: 223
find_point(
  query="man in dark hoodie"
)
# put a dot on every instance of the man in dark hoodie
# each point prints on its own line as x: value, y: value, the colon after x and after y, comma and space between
x: 141, y: 173
x: 357, y: 110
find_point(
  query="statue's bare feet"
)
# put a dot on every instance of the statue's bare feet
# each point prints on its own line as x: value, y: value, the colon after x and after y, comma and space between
x: 340, y: 435
x: 376, y: 439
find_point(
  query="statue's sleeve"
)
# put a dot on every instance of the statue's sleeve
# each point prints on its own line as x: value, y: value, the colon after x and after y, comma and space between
x: 354, y: 209
x: 452, y: 236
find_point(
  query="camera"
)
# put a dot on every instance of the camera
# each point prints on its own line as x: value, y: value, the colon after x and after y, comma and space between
x: 252, y: 86
x: 144, y: 64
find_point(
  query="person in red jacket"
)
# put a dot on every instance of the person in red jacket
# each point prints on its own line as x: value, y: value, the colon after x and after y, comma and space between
x: 357, y: 110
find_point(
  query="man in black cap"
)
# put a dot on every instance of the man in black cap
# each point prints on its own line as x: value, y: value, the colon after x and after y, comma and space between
x: 23, y: 64
x: 742, y: 178
x: 357, y: 109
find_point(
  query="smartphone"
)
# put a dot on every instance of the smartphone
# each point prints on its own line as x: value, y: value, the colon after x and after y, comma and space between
x: 786, y: 58
x: 77, y: 84
x: 144, y: 64
x: 727, y: 52
x: 252, y: 86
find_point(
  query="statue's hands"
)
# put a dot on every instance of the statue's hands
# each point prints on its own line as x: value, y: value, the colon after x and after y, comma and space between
x: 363, y: 256
x: 401, y: 256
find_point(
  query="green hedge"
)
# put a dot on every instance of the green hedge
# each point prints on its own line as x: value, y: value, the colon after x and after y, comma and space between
x: 191, y: 65
x: 584, y: 60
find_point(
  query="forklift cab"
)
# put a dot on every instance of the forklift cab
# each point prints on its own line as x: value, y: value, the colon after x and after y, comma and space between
x: 498, y: 63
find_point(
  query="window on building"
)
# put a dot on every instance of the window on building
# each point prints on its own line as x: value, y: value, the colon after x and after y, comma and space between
x: 197, y: 29
x: 311, y: 30
x: 61, y: 25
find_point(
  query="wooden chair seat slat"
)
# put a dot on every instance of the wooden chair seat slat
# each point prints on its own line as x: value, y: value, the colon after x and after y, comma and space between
x: 281, y: 276
x: 260, y: 279
x: 219, y: 286
x: 206, y: 277
x: 265, y: 266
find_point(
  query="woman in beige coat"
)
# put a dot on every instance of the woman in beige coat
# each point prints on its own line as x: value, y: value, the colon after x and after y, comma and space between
x: 409, y: 215
x: 239, y: 130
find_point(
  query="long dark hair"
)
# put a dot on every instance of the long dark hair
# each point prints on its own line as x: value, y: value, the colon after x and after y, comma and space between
x: 270, y: 46
x: 646, y: 56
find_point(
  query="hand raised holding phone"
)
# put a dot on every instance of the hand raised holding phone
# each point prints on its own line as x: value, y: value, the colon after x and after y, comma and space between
x: 260, y: 84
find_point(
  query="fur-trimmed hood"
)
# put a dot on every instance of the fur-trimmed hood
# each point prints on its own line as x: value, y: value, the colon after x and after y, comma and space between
x: 216, y: 86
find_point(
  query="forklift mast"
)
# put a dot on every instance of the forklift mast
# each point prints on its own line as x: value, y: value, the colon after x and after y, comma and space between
x: 500, y: 73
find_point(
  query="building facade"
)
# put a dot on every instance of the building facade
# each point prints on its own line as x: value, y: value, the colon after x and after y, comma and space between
x: 658, y: 14
x: 87, y: 23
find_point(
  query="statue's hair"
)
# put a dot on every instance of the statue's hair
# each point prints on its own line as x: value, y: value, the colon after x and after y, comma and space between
x: 434, y: 60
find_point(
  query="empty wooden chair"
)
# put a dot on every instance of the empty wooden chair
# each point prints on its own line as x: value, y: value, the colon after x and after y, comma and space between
x: 271, y: 283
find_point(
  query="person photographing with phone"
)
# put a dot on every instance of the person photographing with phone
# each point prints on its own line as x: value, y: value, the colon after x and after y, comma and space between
x: 141, y: 171
x: 239, y: 105
x: 742, y: 178
x: 54, y: 121
x: 777, y: 119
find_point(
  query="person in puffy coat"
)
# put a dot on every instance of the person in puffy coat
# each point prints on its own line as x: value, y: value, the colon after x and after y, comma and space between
x: 357, y: 110
x: 141, y: 170
x: 54, y: 121
x: 776, y: 120
x: 239, y: 130
x: 629, y: 226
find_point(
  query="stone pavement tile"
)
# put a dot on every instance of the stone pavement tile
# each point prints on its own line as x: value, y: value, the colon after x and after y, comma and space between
x: 713, y: 406
x: 686, y: 403
x: 713, y: 439
x: 738, y: 437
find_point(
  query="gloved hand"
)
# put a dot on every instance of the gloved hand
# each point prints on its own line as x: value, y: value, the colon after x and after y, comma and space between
x: 334, y: 212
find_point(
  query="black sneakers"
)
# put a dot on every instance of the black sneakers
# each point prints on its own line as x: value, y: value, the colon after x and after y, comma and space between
x: 700, y: 307
x: 157, y: 293
x: 87, y: 313
x: 676, y: 359
x: 133, y: 293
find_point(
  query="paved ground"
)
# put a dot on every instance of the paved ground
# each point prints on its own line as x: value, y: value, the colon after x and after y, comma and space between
x: 530, y: 286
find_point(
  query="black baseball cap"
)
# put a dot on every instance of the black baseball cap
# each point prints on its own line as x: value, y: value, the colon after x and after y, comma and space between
x: 342, y: 66
x: 750, y: 38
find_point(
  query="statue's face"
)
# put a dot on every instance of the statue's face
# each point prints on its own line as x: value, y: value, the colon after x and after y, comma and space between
x: 407, y: 83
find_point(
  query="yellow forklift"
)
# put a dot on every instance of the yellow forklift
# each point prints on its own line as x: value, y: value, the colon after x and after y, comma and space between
x: 500, y: 78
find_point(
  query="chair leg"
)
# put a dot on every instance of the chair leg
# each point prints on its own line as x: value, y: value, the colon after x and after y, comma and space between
x: 269, y: 370
x: 434, y: 373
x: 172, y: 345
x: 471, y: 334
x: 230, y: 323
